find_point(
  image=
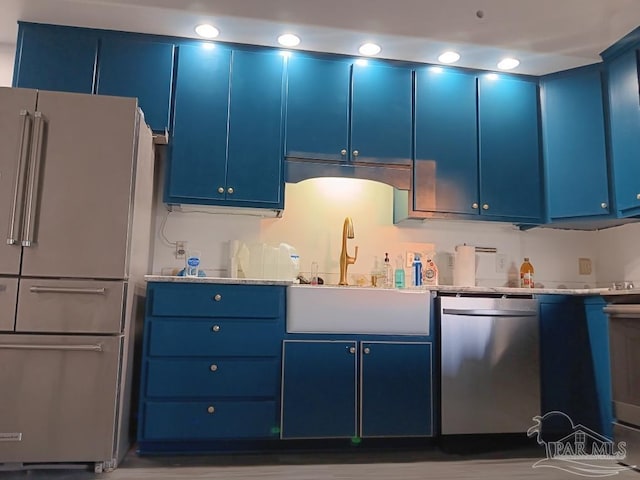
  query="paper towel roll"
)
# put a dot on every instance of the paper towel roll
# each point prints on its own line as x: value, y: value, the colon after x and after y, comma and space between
x: 464, y: 266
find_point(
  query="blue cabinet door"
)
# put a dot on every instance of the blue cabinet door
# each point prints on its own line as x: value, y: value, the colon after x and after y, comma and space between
x: 396, y: 389
x: 574, y: 145
x: 198, y: 146
x: 319, y: 389
x: 381, y: 114
x: 317, y: 108
x: 255, y: 158
x: 624, y: 112
x: 445, y: 173
x: 138, y: 68
x: 568, y: 378
x: 510, y: 168
x: 55, y: 58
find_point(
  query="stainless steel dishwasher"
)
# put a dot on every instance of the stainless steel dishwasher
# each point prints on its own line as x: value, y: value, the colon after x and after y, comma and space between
x: 490, y: 365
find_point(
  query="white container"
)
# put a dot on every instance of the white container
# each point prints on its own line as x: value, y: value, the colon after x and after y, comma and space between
x: 192, y: 263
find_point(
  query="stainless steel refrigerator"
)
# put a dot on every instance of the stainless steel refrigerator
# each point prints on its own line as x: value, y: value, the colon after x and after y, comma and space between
x: 76, y: 181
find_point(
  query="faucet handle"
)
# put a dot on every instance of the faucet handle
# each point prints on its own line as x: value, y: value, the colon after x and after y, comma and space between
x: 355, y: 255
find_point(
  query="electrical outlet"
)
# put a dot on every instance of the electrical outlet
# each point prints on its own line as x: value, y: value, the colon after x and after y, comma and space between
x: 409, y: 259
x: 501, y: 263
x: 584, y: 266
x: 181, y: 249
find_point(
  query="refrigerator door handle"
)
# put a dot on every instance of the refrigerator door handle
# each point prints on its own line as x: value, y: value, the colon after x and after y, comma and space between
x: 17, y: 203
x: 77, y: 348
x: 33, y: 186
x: 94, y: 291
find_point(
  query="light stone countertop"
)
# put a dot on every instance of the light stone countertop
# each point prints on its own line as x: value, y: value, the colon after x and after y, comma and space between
x: 439, y: 288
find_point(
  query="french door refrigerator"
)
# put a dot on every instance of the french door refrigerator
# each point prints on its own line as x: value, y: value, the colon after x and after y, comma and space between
x: 76, y: 181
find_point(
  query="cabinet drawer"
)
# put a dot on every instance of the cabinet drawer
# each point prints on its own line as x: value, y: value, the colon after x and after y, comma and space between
x: 213, y: 377
x: 206, y: 338
x: 209, y: 420
x: 215, y: 300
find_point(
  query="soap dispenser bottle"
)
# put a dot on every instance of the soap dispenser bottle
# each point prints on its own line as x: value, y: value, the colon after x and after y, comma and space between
x: 417, y: 270
x: 388, y: 272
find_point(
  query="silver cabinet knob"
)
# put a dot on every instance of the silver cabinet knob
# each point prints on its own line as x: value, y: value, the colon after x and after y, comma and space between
x: 603, y: 205
x: 485, y: 206
x: 638, y: 196
x: 367, y: 350
x: 213, y: 367
x: 230, y: 190
x: 356, y: 153
x: 474, y: 206
x: 216, y: 328
x: 343, y: 152
x: 211, y: 409
x: 220, y: 190
x: 352, y: 350
x: 217, y: 297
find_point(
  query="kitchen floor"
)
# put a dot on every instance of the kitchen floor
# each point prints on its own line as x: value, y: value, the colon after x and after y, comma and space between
x: 377, y: 465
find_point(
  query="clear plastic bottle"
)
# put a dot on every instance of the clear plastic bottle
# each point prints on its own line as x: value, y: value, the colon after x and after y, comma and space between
x: 399, y: 273
x: 526, y: 274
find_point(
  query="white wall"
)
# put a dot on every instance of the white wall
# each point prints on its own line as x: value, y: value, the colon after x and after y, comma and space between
x: 312, y: 222
x: 7, y: 54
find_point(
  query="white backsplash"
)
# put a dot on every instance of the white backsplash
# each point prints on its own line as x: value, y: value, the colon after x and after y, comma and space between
x: 7, y: 54
x: 312, y: 222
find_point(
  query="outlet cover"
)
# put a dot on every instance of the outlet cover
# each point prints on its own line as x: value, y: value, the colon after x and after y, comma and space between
x: 409, y: 259
x: 181, y: 249
x: 584, y: 266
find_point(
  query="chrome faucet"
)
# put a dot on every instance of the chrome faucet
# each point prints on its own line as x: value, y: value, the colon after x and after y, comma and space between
x: 345, y: 258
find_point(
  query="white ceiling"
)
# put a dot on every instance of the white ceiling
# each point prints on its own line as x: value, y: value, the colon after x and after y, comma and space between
x: 546, y: 35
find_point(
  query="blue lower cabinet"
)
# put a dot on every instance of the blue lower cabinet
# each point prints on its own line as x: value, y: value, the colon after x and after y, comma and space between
x: 334, y: 389
x: 319, y: 389
x: 211, y: 366
x: 396, y: 389
x: 574, y: 361
x: 208, y: 420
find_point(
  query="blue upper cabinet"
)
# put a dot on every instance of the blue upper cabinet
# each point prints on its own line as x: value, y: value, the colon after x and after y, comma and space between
x: 445, y: 173
x: 55, y: 58
x: 198, y: 146
x: 510, y: 167
x: 340, y: 111
x: 226, y: 147
x: 624, y: 112
x: 574, y: 144
x: 138, y: 68
x: 254, y: 165
x: 317, y: 108
x: 381, y: 114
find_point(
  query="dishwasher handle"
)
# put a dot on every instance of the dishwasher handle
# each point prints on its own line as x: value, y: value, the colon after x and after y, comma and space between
x: 623, y: 310
x: 75, y: 348
x: 481, y: 312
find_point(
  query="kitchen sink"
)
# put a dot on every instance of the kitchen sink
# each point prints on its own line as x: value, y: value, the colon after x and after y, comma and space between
x: 357, y: 310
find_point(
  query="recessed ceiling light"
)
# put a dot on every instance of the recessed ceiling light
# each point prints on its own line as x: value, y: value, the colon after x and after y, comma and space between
x: 449, y: 57
x: 288, y: 40
x: 369, y: 49
x: 207, y: 31
x: 508, y: 63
